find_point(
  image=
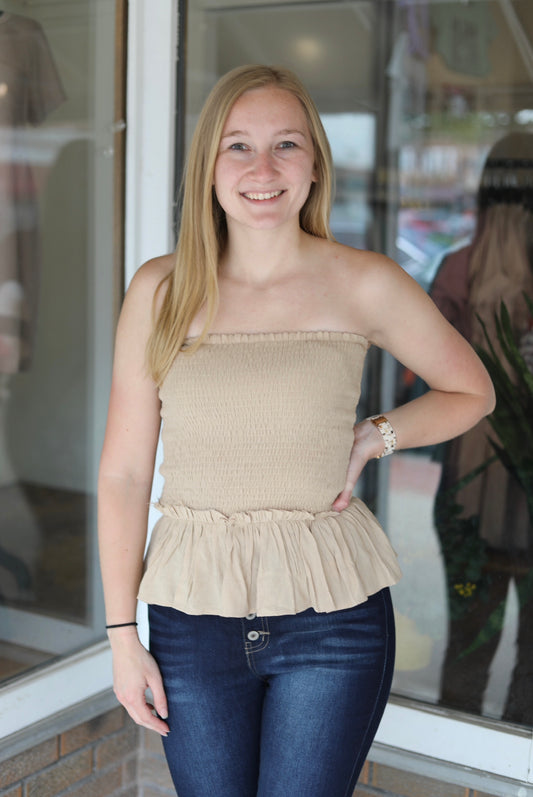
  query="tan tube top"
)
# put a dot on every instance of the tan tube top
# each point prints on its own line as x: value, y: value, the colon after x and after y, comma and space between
x: 257, y: 433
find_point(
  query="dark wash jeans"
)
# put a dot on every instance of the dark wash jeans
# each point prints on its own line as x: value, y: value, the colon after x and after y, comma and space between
x: 273, y: 706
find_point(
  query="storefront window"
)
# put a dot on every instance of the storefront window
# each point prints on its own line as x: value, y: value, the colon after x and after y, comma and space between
x: 60, y: 254
x: 413, y: 95
x: 460, y: 514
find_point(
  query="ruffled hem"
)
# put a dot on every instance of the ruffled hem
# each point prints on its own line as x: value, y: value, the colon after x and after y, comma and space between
x: 267, y: 561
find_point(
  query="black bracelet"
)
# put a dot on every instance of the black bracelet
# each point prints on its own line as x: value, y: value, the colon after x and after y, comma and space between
x: 119, y: 625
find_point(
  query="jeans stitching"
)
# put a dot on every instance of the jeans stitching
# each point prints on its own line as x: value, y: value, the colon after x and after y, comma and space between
x: 249, y: 648
x: 264, y: 633
x: 350, y: 787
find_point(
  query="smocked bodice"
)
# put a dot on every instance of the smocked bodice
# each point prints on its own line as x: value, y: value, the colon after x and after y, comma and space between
x: 261, y: 420
x: 257, y: 434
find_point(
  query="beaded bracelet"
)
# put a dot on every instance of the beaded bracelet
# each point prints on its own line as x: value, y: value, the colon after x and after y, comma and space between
x: 119, y: 625
x: 387, y: 432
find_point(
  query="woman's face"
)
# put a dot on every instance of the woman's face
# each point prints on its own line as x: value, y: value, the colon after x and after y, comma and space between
x: 265, y: 163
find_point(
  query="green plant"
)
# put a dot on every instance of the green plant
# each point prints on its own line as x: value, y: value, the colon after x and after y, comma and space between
x: 512, y: 422
x: 464, y: 551
x: 512, y: 419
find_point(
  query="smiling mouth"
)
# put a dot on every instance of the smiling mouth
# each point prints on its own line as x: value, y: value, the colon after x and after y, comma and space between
x: 260, y: 197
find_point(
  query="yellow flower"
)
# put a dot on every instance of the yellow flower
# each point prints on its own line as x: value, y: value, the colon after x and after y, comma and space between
x: 465, y: 590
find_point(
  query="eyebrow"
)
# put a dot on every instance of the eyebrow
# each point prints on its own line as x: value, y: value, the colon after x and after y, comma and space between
x: 284, y: 132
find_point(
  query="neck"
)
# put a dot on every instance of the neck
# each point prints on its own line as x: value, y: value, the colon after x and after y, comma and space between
x: 262, y: 257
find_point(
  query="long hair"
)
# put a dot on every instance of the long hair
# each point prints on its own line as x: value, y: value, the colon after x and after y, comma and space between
x: 193, y: 282
x: 500, y: 267
x: 501, y: 263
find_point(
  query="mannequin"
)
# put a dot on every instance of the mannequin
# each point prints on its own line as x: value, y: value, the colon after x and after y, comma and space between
x: 27, y: 68
x: 7, y: 472
x: 10, y: 305
x: 33, y: 89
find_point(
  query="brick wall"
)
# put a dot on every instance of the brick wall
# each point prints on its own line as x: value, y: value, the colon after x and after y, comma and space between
x: 377, y: 780
x: 97, y: 758
x: 154, y: 777
x: 109, y: 756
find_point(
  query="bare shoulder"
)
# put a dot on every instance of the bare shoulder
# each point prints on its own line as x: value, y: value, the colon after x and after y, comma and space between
x: 368, y: 285
x: 149, y: 279
x: 361, y: 266
x: 137, y: 314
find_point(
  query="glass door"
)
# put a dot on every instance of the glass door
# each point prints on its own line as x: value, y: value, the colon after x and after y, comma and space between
x: 61, y: 176
x: 461, y: 145
x: 413, y: 95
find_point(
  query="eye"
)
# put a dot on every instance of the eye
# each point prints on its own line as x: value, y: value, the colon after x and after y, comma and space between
x: 287, y: 145
x: 238, y: 147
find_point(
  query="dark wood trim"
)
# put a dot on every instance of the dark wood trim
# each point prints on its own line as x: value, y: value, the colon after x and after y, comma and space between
x: 179, y: 112
x: 119, y: 147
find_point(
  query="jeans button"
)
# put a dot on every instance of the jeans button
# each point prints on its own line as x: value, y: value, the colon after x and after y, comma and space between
x: 253, y: 635
x: 251, y: 616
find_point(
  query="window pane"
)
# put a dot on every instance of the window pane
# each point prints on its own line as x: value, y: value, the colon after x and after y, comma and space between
x: 57, y: 306
x: 413, y: 95
x: 463, y: 82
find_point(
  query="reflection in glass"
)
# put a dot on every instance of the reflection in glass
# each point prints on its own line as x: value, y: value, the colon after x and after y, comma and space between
x: 413, y: 95
x: 466, y: 639
x: 482, y: 514
x: 352, y: 140
x: 56, y: 311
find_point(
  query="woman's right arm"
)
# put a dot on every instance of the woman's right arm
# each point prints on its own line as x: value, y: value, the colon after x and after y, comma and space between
x: 124, y: 486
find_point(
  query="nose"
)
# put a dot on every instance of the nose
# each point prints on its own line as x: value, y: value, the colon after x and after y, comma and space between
x: 264, y: 165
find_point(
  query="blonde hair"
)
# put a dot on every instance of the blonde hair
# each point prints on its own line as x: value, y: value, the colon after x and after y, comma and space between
x: 193, y: 281
x: 501, y: 269
x: 501, y: 263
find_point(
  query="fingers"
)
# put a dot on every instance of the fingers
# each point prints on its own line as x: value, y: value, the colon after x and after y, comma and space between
x: 150, y: 720
x: 352, y: 475
x: 357, y: 462
x: 135, y: 672
x: 142, y: 712
x: 160, y: 699
x: 342, y: 501
x: 344, y: 497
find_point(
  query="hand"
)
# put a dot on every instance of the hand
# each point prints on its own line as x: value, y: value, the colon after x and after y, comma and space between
x: 135, y: 671
x: 367, y: 444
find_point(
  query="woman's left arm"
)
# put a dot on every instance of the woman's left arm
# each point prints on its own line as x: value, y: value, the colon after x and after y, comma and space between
x: 399, y: 317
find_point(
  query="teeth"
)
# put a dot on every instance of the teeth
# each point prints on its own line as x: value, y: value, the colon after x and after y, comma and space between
x: 270, y: 195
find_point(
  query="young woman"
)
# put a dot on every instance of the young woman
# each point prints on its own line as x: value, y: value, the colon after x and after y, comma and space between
x: 271, y: 628
x: 470, y: 285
